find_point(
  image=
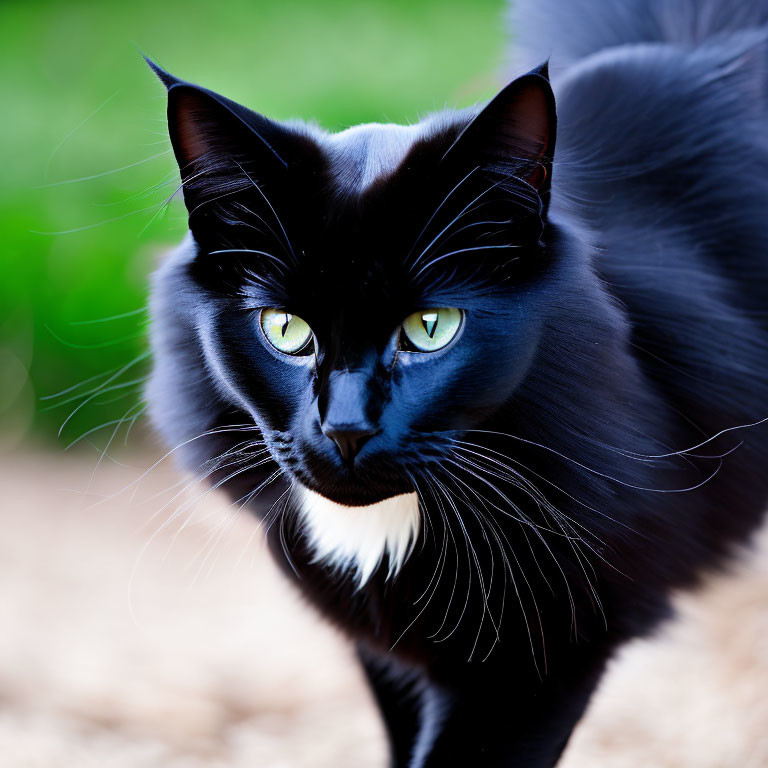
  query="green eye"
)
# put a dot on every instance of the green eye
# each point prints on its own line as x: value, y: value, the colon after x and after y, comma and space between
x: 431, y: 329
x: 286, y: 332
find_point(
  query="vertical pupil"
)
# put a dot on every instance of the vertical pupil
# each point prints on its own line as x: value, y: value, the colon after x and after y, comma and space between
x: 429, y: 321
x: 287, y: 321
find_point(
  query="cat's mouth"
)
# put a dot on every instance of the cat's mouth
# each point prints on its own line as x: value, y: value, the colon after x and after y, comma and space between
x: 355, y: 488
x: 369, y: 480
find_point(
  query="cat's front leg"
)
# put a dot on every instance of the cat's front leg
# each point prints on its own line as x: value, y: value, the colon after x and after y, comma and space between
x: 398, y: 695
x: 494, y: 723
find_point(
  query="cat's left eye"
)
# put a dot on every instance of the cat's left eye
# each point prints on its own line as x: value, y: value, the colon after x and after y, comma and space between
x: 286, y: 332
x: 430, y: 329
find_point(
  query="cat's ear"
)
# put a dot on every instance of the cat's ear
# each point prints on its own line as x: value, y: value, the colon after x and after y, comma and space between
x: 515, y: 133
x: 223, y: 148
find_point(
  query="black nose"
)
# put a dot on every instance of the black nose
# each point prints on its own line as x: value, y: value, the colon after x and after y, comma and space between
x: 349, y: 439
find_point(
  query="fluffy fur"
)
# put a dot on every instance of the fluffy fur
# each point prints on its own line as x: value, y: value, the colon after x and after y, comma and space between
x: 359, y: 538
x: 593, y: 437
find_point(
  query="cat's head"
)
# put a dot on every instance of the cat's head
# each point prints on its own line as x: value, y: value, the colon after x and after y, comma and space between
x: 360, y: 295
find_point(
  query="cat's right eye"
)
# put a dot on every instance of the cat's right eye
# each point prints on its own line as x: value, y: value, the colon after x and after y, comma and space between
x: 286, y: 332
x: 431, y: 329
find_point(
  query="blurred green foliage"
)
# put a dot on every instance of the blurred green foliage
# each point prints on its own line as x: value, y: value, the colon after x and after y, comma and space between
x: 87, y: 165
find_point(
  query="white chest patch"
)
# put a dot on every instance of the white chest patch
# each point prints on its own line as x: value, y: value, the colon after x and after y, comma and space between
x: 357, y: 538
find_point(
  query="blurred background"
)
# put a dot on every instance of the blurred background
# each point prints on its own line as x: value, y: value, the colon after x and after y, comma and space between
x: 141, y: 623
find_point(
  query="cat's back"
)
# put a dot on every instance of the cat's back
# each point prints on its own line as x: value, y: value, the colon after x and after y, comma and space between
x: 662, y: 163
x: 662, y: 126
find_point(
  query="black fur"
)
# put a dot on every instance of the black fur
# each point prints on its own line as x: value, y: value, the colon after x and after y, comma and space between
x: 615, y: 334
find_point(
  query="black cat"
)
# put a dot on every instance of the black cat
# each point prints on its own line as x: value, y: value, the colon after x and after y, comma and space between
x: 490, y: 396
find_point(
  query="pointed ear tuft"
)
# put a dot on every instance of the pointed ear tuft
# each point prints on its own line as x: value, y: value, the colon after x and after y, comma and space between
x: 203, y: 124
x: 166, y: 78
x: 227, y: 155
x: 515, y: 133
x: 542, y: 69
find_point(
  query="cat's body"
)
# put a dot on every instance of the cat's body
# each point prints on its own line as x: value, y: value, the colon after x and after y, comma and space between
x: 524, y: 499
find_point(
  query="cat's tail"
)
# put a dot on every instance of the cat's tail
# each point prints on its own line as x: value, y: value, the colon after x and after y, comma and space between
x: 569, y: 30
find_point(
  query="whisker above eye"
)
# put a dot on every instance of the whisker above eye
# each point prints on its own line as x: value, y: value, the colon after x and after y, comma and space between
x: 463, y: 250
x: 437, y: 210
x: 455, y: 219
x: 281, y: 264
x: 271, y: 208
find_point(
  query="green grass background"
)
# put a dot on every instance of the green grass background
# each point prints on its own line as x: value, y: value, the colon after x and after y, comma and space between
x: 78, y: 103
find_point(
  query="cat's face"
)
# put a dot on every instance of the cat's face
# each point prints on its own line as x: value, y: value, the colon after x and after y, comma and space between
x: 366, y: 294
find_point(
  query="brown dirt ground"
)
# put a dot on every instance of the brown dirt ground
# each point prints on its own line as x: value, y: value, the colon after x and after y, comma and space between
x: 130, y: 641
